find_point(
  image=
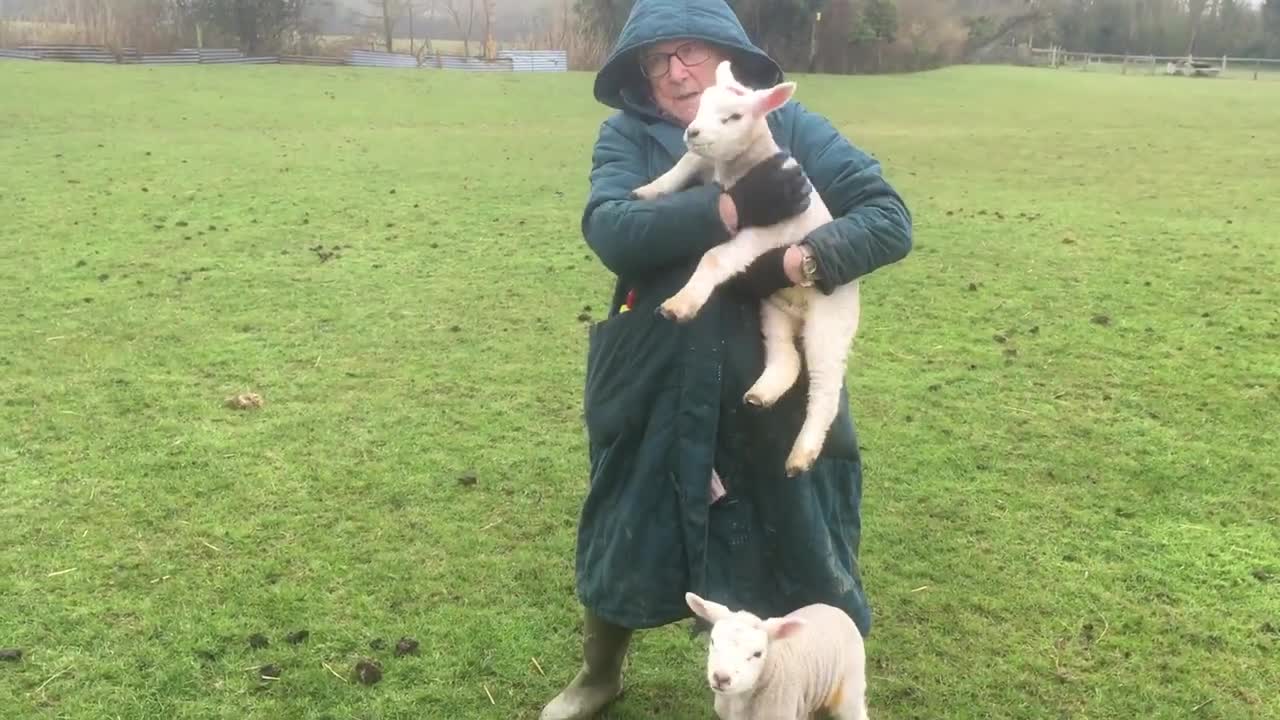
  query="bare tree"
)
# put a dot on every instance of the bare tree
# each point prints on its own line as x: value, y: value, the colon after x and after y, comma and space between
x: 381, y: 21
x: 1196, y: 10
x: 260, y: 25
x: 455, y: 9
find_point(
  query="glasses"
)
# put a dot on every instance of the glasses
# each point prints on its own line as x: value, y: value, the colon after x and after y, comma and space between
x: 658, y: 64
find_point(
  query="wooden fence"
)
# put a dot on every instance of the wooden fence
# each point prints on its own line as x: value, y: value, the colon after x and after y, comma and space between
x: 1184, y: 66
x: 507, y: 60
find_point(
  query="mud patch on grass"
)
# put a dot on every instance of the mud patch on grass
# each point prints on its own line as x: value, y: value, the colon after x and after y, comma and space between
x: 368, y: 672
x: 244, y: 401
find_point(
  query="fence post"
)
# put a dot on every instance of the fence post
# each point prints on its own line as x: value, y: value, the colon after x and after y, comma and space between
x: 1224, y: 64
x: 1124, y: 65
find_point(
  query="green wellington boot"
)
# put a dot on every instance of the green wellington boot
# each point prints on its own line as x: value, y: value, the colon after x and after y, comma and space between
x: 599, y: 682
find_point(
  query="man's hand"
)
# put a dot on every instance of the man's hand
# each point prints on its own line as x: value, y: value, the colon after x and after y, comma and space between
x: 768, y: 194
x: 776, y: 269
x: 728, y: 213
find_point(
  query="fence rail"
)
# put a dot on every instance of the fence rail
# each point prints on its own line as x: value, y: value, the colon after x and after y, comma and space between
x: 507, y: 60
x: 71, y: 53
x: 446, y: 62
x: 373, y: 58
x: 1177, y: 65
x: 536, y: 60
x: 310, y: 60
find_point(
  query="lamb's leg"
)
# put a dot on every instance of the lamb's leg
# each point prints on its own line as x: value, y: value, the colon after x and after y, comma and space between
x: 689, y: 167
x: 781, y: 357
x: 716, y: 266
x: 853, y: 707
x: 853, y: 699
x: 830, y: 325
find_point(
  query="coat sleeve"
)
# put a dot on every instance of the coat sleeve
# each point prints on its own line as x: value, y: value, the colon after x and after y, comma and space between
x: 634, y: 237
x: 871, y: 224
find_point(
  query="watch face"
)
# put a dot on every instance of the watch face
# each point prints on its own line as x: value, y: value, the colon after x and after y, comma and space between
x: 809, y: 266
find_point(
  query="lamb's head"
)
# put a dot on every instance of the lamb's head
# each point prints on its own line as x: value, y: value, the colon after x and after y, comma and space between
x: 732, y: 116
x: 739, y: 644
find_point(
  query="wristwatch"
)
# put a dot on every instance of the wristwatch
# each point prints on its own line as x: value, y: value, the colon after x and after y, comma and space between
x: 808, y: 266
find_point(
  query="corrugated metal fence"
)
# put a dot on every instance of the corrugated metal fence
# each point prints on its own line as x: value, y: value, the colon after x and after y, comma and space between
x: 373, y: 58
x: 446, y: 62
x: 507, y: 60
x: 70, y: 53
x: 537, y: 60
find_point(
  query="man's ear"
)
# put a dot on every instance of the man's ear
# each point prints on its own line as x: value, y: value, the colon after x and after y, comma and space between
x: 775, y: 97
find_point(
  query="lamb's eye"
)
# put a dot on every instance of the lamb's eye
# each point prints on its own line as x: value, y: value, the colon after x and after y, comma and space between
x: 757, y: 654
x: 735, y: 116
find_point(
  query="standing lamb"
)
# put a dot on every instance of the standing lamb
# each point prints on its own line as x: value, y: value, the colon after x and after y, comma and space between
x: 794, y: 667
x: 729, y: 136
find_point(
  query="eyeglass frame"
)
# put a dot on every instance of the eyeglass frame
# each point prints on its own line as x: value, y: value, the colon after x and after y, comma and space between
x: 695, y: 44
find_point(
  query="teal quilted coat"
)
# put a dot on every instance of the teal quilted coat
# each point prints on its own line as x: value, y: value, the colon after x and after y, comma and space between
x: 663, y: 401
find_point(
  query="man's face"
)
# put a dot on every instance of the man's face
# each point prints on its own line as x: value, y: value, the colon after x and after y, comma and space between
x: 678, y: 72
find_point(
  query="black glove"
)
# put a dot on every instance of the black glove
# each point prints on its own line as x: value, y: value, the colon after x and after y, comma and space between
x: 763, y: 277
x: 770, y: 193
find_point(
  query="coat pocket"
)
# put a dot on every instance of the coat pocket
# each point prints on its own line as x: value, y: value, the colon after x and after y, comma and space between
x: 630, y: 358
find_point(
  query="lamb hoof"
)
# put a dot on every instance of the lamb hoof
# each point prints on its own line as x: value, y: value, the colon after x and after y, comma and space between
x: 677, y: 309
x: 800, y: 461
x: 646, y: 192
x: 757, y: 399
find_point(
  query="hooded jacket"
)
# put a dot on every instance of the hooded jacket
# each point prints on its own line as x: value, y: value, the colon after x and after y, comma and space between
x: 663, y: 401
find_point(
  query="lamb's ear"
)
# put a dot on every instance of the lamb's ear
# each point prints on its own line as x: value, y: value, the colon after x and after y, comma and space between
x: 784, y: 627
x: 775, y: 97
x: 724, y: 74
x: 710, y: 611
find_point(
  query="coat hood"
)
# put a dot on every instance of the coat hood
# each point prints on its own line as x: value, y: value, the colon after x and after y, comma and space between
x: 619, y: 83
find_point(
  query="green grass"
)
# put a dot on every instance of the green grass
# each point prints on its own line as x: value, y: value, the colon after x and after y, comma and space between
x: 1067, y: 394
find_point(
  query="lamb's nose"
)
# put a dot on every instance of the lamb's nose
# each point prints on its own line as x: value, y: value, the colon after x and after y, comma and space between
x: 720, y: 679
x: 693, y: 132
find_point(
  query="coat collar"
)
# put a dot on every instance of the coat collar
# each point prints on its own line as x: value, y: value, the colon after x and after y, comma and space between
x: 670, y: 136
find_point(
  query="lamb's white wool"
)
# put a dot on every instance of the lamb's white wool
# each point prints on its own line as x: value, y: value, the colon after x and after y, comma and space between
x: 729, y: 136
x: 786, y: 668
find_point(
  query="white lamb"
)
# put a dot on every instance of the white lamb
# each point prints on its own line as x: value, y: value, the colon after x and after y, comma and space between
x: 805, y: 664
x: 729, y: 136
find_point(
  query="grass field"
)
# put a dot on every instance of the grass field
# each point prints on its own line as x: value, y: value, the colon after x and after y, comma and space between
x: 1067, y: 395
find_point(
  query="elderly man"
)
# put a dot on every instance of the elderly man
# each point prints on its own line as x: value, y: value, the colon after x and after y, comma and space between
x: 687, y: 483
